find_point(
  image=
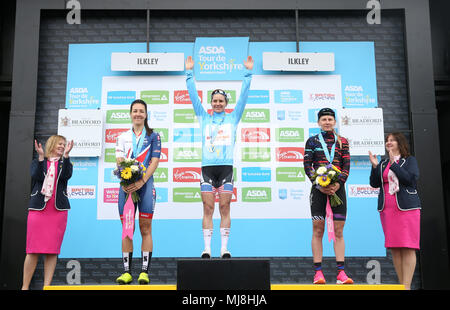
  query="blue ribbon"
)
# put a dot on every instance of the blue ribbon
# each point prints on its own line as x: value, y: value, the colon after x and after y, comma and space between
x: 329, y: 156
x: 137, y: 147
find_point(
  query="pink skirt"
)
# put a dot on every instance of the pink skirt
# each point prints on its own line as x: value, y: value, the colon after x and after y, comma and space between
x: 45, y: 229
x: 401, y: 228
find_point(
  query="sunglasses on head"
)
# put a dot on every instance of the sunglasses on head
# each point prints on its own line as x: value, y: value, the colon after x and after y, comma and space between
x: 220, y: 92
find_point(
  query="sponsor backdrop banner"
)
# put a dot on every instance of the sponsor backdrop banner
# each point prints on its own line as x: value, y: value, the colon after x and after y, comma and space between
x: 270, y: 206
x: 85, y: 128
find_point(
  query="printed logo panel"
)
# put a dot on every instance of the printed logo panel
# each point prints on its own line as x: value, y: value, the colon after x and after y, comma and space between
x: 255, y: 134
x: 187, y: 194
x: 256, y: 116
x: 118, y: 117
x: 182, y: 97
x: 163, y: 134
x: 289, y: 154
x: 256, y: 194
x: 288, y: 96
x: 256, y: 96
x: 155, y: 96
x: 256, y: 174
x: 290, y: 174
x: 184, y: 116
x: 186, y: 174
x: 255, y: 154
x: 81, y: 191
x: 111, y: 195
x: 112, y: 134
x: 289, y: 134
x: 161, y: 175
x: 187, y: 135
x: 187, y: 154
x: 120, y: 97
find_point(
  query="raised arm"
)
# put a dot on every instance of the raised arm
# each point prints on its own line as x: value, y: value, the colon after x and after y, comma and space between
x: 240, y: 106
x: 192, y: 90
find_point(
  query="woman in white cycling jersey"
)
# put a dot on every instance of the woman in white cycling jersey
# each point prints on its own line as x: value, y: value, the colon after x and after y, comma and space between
x: 143, y: 144
x: 218, y: 138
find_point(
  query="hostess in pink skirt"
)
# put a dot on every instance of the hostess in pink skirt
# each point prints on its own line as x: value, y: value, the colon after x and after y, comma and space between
x: 46, y: 228
x: 401, y: 228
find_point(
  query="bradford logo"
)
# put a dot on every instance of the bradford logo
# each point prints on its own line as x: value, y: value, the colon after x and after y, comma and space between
x: 64, y: 121
x: 289, y: 154
x: 183, y: 174
x: 255, y: 134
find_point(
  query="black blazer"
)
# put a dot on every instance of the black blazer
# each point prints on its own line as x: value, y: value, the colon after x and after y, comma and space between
x: 407, y: 172
x: 38, y: 172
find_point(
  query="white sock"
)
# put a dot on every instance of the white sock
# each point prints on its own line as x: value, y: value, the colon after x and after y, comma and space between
x: 224, y: 234
x: 207, y: 234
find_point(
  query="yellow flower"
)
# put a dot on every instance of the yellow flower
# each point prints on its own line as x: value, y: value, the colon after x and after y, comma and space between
x: 126, y: 173
x: 336, y: 169
x: 323, y: 181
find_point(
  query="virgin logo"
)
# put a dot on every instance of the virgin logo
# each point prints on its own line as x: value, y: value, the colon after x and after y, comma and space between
x: 255, y: 134
x: 182, y: 97
x: 184, y: 174
x: 289, y: 154
x: 112, y: 134
x: 164, y: 155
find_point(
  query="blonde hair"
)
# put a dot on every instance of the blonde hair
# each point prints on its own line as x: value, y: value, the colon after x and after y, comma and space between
x: 338, y: 138
x: 51, y: 144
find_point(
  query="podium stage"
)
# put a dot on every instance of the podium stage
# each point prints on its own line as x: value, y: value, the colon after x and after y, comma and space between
x: 226, y: 274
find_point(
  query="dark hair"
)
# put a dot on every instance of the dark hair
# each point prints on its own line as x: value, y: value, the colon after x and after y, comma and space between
x: 147, y: 128
x: 403, y: 145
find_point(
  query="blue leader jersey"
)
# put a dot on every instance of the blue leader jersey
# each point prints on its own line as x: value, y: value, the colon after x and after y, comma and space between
x: 219, y: 129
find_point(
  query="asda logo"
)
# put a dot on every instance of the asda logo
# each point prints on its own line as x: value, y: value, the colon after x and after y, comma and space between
x: 256, y: 194
x: 187, y: 194
x: 187, y: 154
x: 289, y: 134
x: 118, y: 117
x: 290, y: 174
x: 256, y: 116
x: 184, y: 116
x: 255, y: 154
x: 161, y: 175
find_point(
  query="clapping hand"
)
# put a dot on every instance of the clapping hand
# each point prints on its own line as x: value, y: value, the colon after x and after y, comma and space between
x: 39, y: 150
x: 373, y: 159
x: 68, y: 148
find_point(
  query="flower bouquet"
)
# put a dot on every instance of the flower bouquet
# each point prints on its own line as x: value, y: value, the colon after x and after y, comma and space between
x: 326, y: 175
x: 129, y: 171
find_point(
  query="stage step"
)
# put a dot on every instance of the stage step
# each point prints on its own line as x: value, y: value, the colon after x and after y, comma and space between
x: 290, y: 287
x: 165, y: 287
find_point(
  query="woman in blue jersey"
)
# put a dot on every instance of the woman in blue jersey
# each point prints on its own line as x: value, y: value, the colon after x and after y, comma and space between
x: 141, y: 143
x: 218, y: 138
